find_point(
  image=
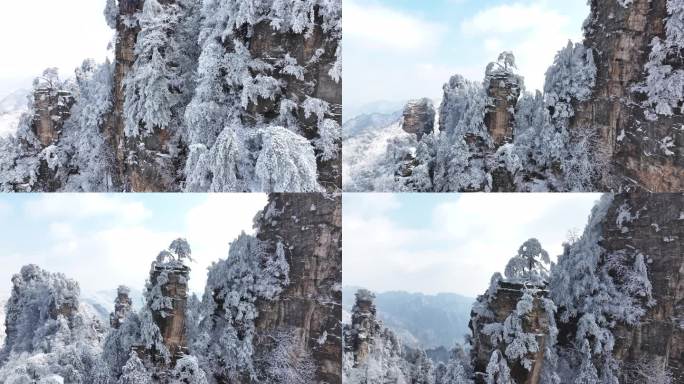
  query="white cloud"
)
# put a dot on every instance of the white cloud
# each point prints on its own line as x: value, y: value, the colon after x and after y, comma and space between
x: 532, y: 30
x: 58, y: 235
x: 380, y: 27
x: 36, y: 34
x: 458, y: 250
x: 87, y: 205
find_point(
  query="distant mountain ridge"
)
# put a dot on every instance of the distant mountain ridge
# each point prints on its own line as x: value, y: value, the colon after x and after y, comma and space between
x: 428, y: 321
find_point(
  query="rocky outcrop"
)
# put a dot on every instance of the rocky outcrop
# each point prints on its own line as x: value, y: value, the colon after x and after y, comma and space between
x: 657, y: 232
x: 503, y: 86
x: 310, y: 228
x: 419, y: 117
x: 27, y: 316
x: 364, y: 326
x: 52, y: 108
x: 620, y: 37
x: 173, y: 281
x: 124, y: 56
x: 500, y: 306
x: 122, y: 307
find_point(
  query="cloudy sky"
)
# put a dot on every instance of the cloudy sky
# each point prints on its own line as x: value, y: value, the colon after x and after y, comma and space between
x: 405, y: 49
x: 106, y: 240
x: 433, y: 243
x: 37, y: 34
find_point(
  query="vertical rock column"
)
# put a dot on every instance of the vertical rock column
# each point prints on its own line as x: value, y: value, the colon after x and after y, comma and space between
x: 419, y: 117
x: 172, y: 326
x: 503, y: 86
x: 310, y: 228
x: 126, y: 36
x: 620, y: 37
x: 122, y: 307
x: 52, y: 108
x: 364, y: 325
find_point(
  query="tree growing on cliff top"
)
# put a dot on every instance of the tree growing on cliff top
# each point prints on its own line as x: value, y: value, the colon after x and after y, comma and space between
x: 531, y: 264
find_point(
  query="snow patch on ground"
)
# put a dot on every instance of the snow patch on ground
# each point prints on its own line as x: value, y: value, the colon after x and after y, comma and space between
x: 364, y: 151
x: 11, y: 108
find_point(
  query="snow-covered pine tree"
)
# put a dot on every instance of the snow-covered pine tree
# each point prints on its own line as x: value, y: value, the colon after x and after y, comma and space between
x: 530, y: 265
x: 152, y: 85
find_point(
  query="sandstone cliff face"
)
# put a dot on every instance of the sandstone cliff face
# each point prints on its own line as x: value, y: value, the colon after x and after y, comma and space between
x: 657, y: 232
x: 620, y: 37
x: 314, y: 51
x: 503, y: 89
x: 139, y: 164
x: 419, y: 117
x: 52, y: 109
x: 171, y: 323
x: 501, y: 306
x: 310, y: 227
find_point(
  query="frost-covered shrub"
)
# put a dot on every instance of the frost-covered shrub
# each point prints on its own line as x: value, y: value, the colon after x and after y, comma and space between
x: 187, y: 371
x: 286, y: 162
x: 287, y: 362
x: 134, y: 372
x: 664, y: 85
x: 497, y: 369
x: 225, y: 342
x: 571, y: 78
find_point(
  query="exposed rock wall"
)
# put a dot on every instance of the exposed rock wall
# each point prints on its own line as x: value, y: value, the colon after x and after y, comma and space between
x: 265, y: 43
x: 419, y: 117
x: 172, y: 327
x: 52, y: 109
x: 309, y: 226
x: 364, y: 326
x: 503, y: 89
x: 620, y: 38
x: 657, y: 232
x: 124, y: 57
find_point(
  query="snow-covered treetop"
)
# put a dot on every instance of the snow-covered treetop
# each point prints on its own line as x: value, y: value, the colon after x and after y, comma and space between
x: 176, y: 254
x: 364, y: 295
x: 123, y: 290
x: 111, y: 13
x: 571, y: 77
x: 530, y: 265
x: 181, y: 248
x: 504, y: 68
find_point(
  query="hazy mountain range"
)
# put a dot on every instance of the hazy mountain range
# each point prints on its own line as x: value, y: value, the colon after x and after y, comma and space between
x: 428, y: 321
